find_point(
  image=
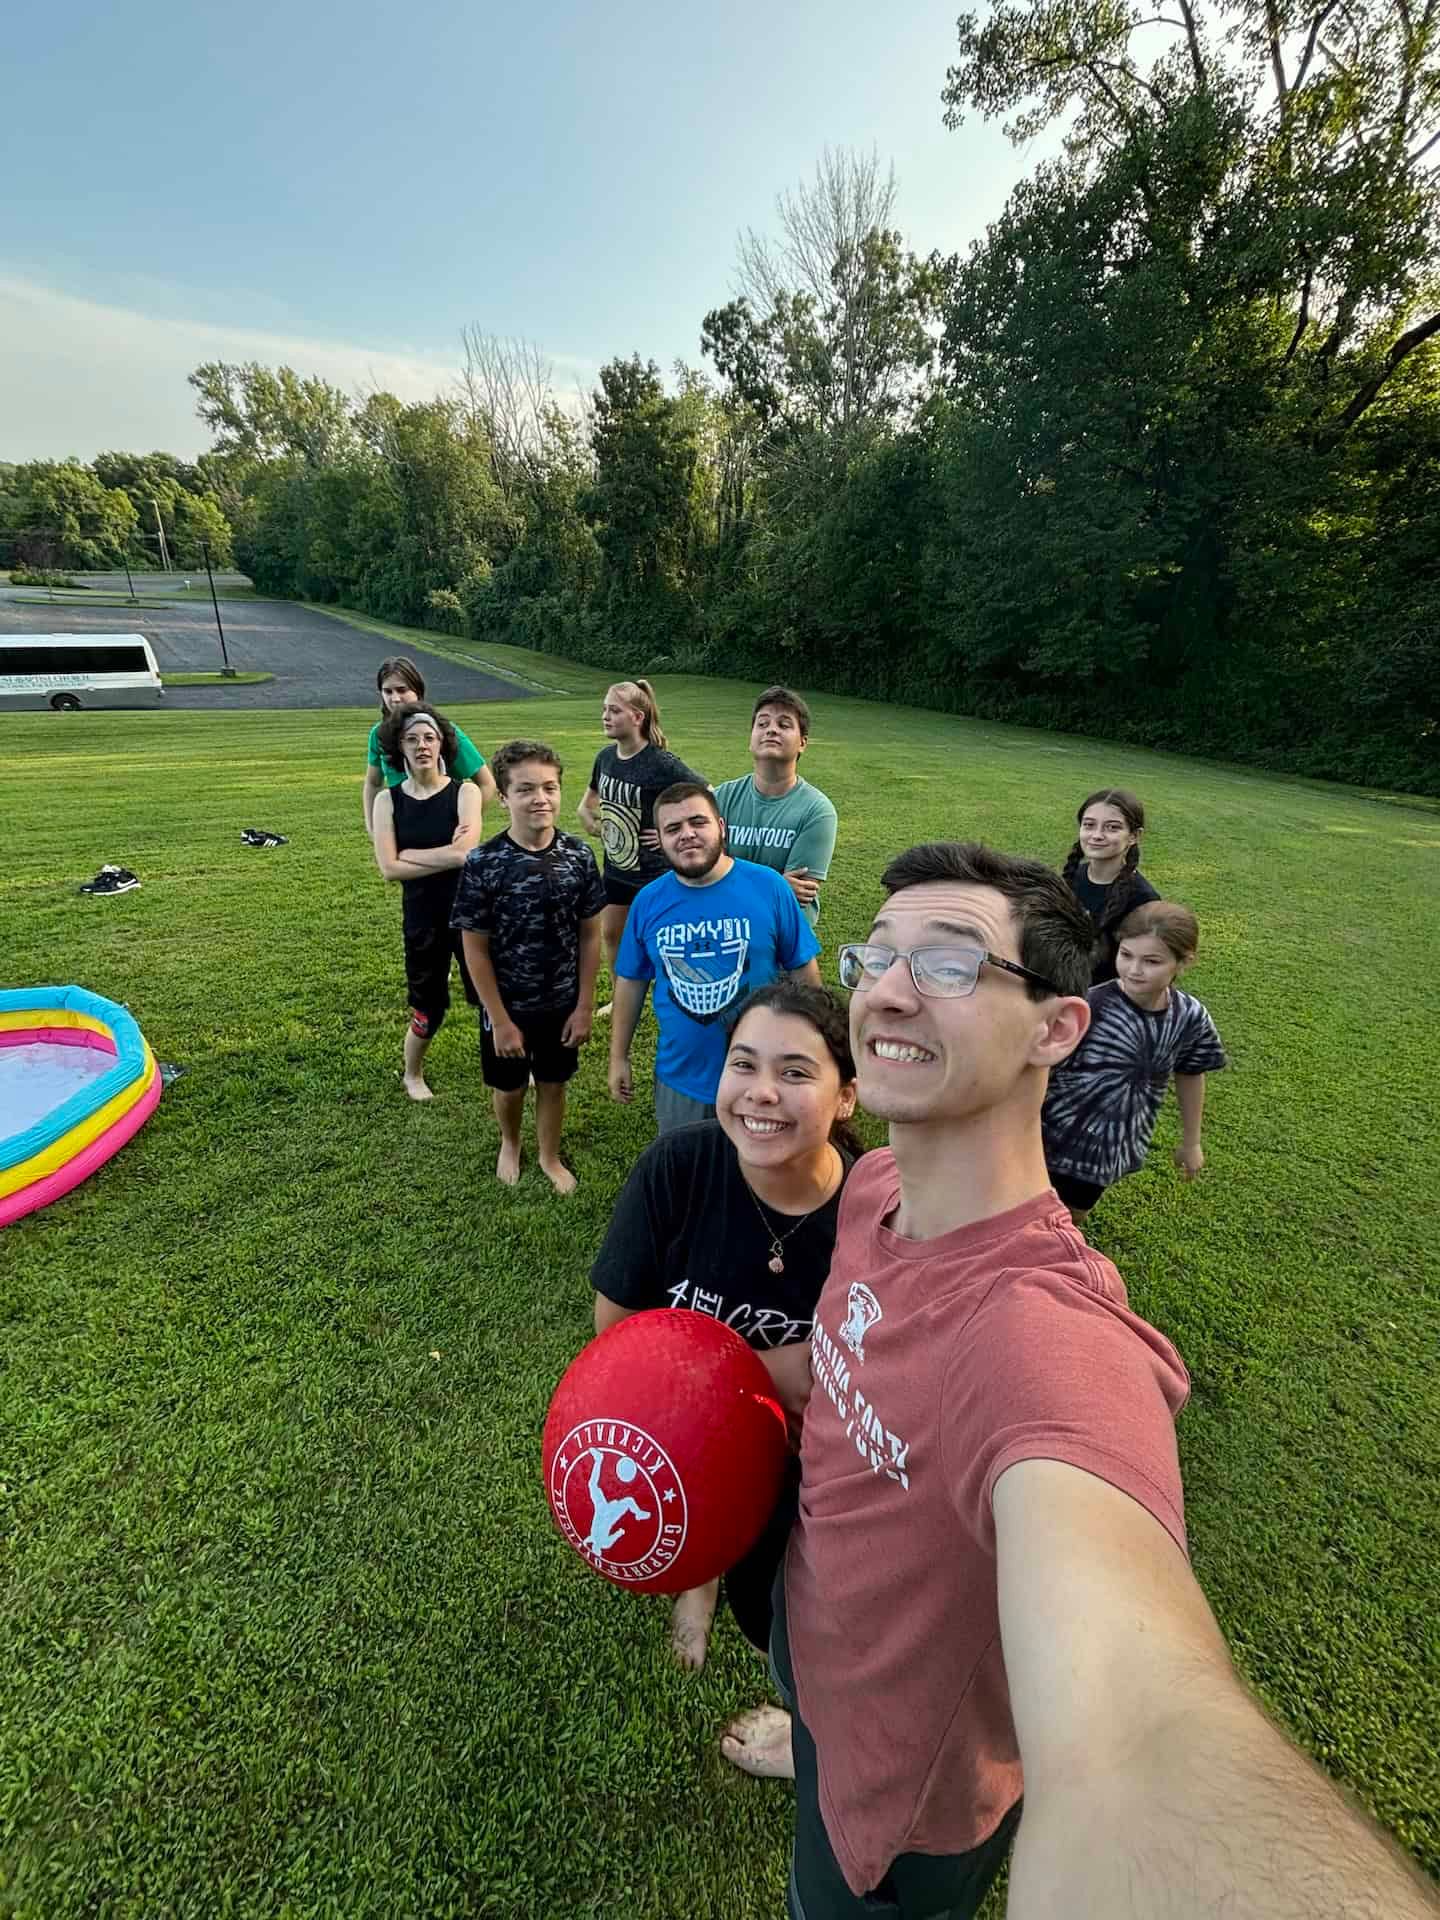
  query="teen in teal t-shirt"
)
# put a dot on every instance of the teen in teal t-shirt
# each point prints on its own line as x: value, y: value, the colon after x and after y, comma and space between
x: 783, y: 831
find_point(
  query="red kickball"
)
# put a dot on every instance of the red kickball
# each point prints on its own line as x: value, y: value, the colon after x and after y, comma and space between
x: 664, y: 1450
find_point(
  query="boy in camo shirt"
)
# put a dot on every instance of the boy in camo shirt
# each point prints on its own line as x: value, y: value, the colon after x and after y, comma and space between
x: 528, y: 908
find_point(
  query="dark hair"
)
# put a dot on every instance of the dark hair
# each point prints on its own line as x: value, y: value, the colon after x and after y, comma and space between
x: 827, y: 1014
x: 687, y: 790
x: 1056, y: 938
x: 401, y: 667
x: 783, y: 697
x: 1122, y: 887
x: 515, y: 752
x: 394, y: 725
x: 641, y: 695
x: 1164, y: 920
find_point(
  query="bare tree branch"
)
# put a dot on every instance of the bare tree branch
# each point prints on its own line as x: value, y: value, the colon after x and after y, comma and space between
x: 1192, y: 37
x: 1401, y: 351
x: 507, y: 386
x: 1309, y: 54
x: 1303, y: 320
x: 1277, y: 59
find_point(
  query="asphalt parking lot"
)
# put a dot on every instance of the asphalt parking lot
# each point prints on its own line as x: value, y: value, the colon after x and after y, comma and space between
x: 317, y: 661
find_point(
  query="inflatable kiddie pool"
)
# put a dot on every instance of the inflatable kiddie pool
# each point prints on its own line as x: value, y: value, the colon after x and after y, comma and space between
x: 76, y: 1081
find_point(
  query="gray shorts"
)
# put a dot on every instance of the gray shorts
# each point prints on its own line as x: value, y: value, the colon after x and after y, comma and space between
x: 674, y: 1109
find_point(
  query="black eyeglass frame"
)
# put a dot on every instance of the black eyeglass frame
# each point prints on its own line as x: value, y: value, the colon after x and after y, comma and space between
x: 986, y: 959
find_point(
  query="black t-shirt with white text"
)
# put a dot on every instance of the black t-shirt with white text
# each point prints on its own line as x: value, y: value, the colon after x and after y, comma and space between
x: 686, y: 1232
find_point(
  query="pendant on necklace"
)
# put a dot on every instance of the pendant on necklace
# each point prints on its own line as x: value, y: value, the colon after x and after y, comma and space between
x: 777, y: 1265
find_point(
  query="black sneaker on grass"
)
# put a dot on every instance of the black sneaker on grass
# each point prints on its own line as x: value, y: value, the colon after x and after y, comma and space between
x: 259, y: 837
x: 111, y: 879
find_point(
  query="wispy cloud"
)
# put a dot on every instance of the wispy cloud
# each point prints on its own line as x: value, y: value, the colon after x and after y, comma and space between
x: 77, y: 376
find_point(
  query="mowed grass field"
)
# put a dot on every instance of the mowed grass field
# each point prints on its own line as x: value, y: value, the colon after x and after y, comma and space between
x: 287, y: 1630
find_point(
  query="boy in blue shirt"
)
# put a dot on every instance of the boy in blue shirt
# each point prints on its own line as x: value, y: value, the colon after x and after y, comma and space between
x: 707, y: 933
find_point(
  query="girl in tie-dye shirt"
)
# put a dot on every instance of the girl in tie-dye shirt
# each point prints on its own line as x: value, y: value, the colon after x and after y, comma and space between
x: 1103, y: 1103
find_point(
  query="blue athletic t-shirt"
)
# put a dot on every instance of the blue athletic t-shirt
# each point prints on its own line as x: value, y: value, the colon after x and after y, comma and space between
x: 706, y: 948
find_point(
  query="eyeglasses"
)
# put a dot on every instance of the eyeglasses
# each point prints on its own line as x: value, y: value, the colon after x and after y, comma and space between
x: 940, y: 973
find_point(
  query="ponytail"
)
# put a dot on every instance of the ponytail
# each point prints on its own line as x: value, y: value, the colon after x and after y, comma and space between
x: 641, y: 695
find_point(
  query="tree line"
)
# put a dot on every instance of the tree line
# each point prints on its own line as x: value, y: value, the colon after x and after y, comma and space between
x: 1157, y: 459
x: 144, y: 510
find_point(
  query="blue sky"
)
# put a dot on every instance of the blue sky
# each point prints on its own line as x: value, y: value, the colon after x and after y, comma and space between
x: 347, y: 188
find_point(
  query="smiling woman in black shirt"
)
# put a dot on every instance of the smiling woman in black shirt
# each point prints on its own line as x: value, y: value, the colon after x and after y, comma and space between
x: 736, y: 1218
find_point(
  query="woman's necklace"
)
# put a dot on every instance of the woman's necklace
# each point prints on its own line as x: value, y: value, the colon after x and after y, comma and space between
x: 776, y: 1262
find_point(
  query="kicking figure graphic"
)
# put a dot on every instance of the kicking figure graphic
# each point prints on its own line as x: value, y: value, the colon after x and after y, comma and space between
x: 608, y: 1515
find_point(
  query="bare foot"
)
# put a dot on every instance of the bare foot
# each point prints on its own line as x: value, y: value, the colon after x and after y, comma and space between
x: 416, y: 1087
x: 507, y: 1167
x: 559, y: 1176
x: 690, y: 1625
x: 603, y: 1013
x: 758, y: 1742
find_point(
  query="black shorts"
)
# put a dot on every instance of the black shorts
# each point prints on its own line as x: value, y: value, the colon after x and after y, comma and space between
x: 551, y: 1063
x: 621, y: 888
x: 1079, y: 1195
x: 428, y: 954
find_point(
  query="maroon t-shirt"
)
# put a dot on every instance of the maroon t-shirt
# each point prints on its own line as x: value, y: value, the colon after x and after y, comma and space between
x: 938, y: 1364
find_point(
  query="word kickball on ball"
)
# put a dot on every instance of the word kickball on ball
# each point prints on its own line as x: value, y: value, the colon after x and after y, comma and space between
x: 664, y: 1450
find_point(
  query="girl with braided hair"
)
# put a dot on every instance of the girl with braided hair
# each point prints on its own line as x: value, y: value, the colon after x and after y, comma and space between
x: 1103, y: 868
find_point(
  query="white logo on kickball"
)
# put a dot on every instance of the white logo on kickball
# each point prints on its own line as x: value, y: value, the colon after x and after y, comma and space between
x: 863, y: 1310
x: 618, y: 1499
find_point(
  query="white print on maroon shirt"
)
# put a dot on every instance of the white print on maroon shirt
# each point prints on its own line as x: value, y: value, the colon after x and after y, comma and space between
x: 863, y: 1312
x: 882, y: 1450
x: 761, y: 1326
x: 618, y: 1498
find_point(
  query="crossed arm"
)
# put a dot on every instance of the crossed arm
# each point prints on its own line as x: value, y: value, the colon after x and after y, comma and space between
x: 1154, y: 1784
x: 418, y: 861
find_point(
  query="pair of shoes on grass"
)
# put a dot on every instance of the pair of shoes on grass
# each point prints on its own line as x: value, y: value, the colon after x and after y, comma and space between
x: 112, y: 879
x: 261, y: 837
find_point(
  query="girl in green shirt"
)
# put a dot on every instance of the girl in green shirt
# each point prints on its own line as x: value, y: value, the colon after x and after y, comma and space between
x: 401, y: 684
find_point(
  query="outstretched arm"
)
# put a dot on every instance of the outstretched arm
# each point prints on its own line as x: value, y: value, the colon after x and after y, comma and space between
x: 1190, y: 1092
x: 626, y: 1001
x: 1154, y: 1785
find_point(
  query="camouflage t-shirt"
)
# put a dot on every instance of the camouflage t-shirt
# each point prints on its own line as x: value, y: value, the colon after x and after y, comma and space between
x: 531, y: 905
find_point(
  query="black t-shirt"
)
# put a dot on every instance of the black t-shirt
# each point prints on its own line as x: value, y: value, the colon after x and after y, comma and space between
x: 1096, y: 902
x: 686, y: 1233
x: 628, y: 790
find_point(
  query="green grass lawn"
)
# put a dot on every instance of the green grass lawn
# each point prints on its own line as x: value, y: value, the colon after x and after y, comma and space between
x: 287, y: 1629
x: 239, y: 678
x: 161, y: 597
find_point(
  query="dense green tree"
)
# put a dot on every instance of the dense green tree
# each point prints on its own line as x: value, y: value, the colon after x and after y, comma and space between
x: 646, y: 448
x: 61, y: 516
x: 834, y: 324
x: 264, y: 413
x: 189, y: 511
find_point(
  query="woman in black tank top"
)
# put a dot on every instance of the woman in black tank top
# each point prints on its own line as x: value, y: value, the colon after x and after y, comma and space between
x: 424, y: 830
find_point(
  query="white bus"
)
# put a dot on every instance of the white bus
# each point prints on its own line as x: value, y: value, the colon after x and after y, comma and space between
x: 71, y: 670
